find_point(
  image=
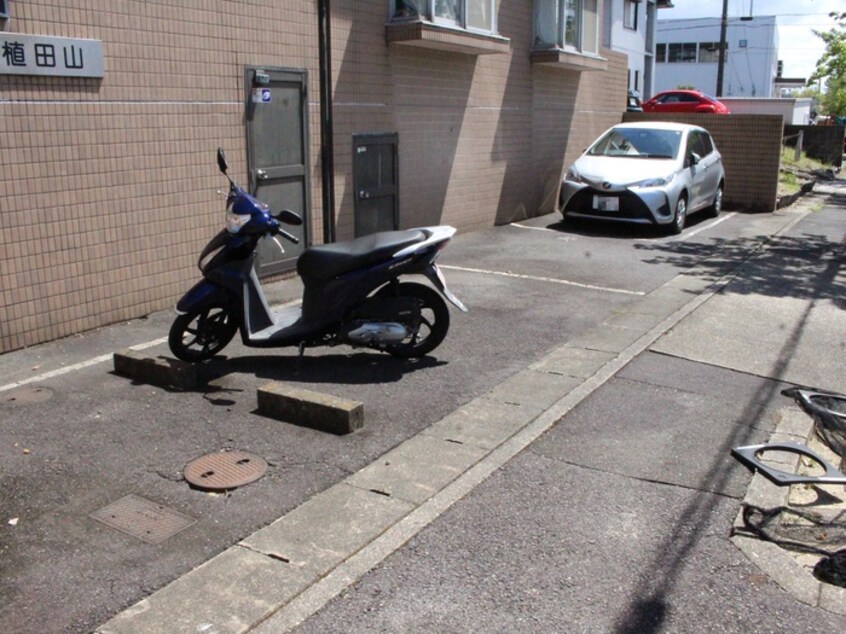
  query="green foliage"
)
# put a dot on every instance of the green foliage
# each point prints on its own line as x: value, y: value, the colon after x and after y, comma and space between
x: 831, y: 67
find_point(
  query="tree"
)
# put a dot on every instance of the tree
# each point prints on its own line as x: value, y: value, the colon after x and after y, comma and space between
x: 831, y: 67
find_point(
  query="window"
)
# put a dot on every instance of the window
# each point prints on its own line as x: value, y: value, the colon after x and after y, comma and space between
x: 567, y: 24
x: 4, y: 9
x: 630, y: 14
x: 709, y: 52
x: 681, y: 53
x: 474, y: 15
x: 660, y: 53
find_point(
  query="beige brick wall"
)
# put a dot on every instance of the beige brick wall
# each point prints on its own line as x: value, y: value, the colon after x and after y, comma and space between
x: 750, y: 145
x: 109, y: 186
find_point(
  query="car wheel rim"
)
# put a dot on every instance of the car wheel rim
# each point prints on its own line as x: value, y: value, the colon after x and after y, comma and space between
x: 681, y: 212
x: 718, y: 201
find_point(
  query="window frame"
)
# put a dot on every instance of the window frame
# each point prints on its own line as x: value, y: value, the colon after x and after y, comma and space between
x: 712, y: 50
x: 575, y: 11
x: 4, y: 9
x: 687, y: 52
x: 630, y: 14
x: 427, y: 10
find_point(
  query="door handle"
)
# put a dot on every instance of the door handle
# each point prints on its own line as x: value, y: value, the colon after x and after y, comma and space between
x: 363, y: 195
x: 261, y: 174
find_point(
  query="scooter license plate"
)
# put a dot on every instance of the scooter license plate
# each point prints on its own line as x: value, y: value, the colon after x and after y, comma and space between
x: 606, y: 203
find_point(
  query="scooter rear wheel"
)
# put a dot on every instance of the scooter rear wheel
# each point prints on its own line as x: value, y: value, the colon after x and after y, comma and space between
x: 201, y: 333
x: 430, y: 331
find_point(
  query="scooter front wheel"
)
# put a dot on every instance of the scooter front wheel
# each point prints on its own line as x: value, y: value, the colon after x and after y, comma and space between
x: 429, y: 331
x: 201, y: 333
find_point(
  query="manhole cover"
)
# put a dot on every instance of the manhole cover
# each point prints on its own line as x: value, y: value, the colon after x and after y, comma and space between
x: 224, y: 470
x: 26, y: 396
x: 142, y: 518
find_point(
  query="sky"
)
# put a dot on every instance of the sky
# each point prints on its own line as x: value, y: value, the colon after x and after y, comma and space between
x: 799, y: 48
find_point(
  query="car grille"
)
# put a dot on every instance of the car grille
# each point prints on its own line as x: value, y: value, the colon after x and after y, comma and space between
x: 631, y: 206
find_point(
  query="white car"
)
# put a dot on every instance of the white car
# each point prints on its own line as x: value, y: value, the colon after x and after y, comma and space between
x: 646, y: 172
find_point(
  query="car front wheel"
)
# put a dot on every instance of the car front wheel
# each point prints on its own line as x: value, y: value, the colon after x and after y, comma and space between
x: 716, y: 206
x: 679, y: 217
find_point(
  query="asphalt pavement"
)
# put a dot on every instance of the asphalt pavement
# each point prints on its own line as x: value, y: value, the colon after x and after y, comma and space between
x: 560, y: 464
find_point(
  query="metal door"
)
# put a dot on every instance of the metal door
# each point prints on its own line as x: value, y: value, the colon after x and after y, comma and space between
x: 277, y: 155
x: 375, y: 182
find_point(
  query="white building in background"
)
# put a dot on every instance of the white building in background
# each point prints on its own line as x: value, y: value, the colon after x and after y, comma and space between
x: 629, y: 27
x: 687, y: 54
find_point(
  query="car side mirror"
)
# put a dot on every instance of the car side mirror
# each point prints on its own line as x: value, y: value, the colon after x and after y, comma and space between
x: 694, y: 158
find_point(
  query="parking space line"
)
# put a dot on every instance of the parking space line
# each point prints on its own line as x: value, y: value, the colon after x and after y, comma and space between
x: 77, y: 366
x: 535, y: 278
x: 519, y: 226
x: 689, y: 234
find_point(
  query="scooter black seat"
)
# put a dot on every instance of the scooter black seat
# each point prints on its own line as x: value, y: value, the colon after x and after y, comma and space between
x: 326, y: 261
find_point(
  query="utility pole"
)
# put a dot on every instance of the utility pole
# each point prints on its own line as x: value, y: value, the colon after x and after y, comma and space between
x: 721, y: 63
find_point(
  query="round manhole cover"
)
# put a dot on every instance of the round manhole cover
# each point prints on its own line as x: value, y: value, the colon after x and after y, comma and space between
x: 225, y: 470
x: 25, y: 395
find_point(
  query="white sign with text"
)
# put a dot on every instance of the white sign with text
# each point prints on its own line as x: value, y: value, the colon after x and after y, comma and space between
x: 46, y: 55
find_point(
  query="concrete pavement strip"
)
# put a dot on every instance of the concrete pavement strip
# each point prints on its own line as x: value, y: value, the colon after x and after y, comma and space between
x: 284, y: 573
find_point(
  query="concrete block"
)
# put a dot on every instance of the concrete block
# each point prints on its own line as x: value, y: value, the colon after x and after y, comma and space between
x: 307, y: 408
x: 162, y: 371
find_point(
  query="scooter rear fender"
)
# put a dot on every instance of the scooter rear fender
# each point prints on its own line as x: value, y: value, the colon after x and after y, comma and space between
x: 203, y: 293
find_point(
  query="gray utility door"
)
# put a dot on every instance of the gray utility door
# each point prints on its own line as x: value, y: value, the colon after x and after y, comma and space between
x: 375, y: 182
x: 277, y: 155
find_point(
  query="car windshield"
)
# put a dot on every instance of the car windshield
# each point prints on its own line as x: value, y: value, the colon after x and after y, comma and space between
x: 637, y: 143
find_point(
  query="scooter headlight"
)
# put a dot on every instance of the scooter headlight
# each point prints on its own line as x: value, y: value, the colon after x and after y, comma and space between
x: 234, y: 222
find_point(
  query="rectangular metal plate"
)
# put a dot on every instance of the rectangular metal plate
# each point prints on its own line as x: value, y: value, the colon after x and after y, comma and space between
x: 606, y: 203
x: 141, y: 518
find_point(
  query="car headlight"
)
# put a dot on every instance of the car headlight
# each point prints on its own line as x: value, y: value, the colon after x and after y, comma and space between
x: 573, y: 176
x: 655, y: 182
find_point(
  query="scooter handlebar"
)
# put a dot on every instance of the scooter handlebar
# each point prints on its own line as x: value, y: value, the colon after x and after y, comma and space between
x: 286, y: 235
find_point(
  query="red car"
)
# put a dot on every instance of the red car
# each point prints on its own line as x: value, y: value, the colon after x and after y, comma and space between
x: 684, y: 101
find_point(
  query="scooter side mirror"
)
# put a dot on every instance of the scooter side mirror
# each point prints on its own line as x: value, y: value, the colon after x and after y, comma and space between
x: 289, y: 217
x: 221, y: 160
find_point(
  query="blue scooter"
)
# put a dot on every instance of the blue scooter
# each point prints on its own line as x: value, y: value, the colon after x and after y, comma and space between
x: 352, y: 290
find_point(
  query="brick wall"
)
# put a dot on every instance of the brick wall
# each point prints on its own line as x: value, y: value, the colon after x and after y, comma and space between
x: 109, y: 187
x: 751, y: 149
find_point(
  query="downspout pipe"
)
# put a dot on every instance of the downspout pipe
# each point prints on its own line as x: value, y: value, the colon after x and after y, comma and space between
x: 327, y: 154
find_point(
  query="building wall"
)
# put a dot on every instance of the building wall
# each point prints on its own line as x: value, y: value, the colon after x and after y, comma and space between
x: 749, y: 69
x: 110, y: 188
x: 631, y: 42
